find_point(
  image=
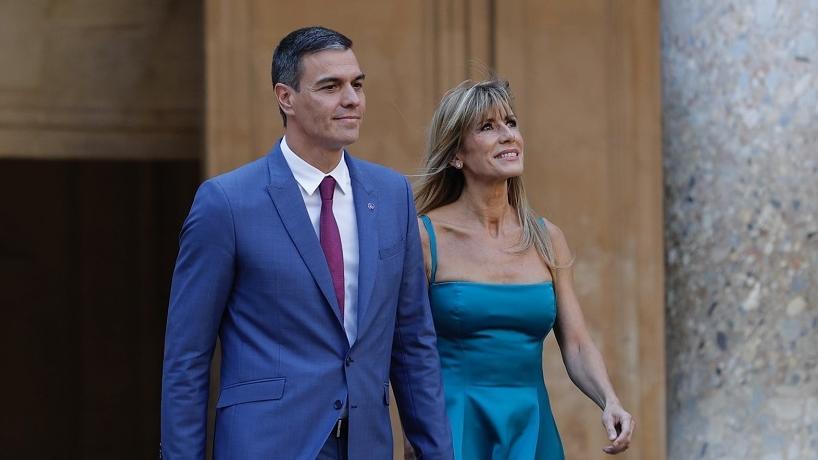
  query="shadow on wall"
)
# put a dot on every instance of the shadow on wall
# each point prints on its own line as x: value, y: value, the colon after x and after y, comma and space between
x: 86, y: 254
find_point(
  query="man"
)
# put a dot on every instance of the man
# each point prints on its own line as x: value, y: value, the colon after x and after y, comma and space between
x: 307, y: 264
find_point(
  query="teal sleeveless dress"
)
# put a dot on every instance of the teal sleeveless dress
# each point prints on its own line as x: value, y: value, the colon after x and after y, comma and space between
x: 490, y: 340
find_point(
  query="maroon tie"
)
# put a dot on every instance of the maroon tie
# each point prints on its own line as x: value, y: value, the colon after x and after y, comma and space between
x: 331, y: 240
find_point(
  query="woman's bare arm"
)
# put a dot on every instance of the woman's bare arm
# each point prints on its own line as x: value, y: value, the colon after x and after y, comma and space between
x: 582, y: 359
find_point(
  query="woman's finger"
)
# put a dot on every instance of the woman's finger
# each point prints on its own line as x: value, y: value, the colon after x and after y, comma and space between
x: 610, y: 426
x: 622, y: 441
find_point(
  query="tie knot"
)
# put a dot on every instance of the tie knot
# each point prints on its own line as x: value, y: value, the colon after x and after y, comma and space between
x: 327, y: 188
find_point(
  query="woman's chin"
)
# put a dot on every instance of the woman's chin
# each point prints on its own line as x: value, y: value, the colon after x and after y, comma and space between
x: 510, y: 173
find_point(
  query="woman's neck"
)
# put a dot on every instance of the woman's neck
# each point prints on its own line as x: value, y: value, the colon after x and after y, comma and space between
x: 487, y: 204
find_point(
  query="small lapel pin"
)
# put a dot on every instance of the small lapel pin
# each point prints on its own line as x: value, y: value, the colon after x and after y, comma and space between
x: 371, y: 206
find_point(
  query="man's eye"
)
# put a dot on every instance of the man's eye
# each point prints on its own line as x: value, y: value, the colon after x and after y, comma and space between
x: 328, y: 87
x: 358, y: 85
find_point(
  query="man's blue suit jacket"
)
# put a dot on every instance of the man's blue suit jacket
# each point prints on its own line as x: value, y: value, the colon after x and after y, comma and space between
x: 251, y: 270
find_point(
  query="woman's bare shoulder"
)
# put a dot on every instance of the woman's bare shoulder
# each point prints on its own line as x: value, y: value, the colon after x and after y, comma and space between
x: 558, y: 240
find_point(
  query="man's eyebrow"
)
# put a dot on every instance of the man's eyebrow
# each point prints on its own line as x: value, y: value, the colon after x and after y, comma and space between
x: 326, y: 80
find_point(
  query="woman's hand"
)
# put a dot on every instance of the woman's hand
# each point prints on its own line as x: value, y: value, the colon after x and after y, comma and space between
x: 619, y: 424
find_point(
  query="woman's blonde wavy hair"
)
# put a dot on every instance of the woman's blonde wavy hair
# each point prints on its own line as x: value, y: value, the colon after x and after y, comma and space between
x: 440, y: 184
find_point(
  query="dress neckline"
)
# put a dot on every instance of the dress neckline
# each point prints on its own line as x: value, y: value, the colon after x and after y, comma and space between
x: 482, y: 283
x: 430, y: 230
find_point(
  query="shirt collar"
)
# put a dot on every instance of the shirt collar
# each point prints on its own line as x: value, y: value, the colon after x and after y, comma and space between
x: 309, y: 177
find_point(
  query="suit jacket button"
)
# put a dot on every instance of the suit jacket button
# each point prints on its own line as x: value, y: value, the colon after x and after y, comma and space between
x: 338, y: 404
x: 349, y: 360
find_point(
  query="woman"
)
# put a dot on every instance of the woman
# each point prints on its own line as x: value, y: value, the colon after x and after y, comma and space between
x: 496, y: 272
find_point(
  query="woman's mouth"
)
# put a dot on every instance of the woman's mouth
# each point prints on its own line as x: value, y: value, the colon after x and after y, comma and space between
x: 507, y: 154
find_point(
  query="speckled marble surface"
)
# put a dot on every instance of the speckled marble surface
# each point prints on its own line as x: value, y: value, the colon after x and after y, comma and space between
x: 740, y: 103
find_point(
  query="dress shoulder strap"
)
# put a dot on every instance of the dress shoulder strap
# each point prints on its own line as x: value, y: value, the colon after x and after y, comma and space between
x: 430, y: 229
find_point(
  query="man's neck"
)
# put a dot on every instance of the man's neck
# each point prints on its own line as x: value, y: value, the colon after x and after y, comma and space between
x: 318, y: 157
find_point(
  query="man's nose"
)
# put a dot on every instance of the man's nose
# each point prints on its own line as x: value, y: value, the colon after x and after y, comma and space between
x: 350, y: 97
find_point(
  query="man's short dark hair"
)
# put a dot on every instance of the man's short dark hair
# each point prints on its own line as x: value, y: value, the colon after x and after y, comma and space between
x: 287, y: 56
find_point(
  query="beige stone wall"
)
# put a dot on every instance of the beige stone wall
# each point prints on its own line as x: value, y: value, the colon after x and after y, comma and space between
x: 586, y: 75
x: 112, y: 79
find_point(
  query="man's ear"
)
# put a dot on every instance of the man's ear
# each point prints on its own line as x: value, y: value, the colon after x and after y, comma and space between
x: 284, y: 97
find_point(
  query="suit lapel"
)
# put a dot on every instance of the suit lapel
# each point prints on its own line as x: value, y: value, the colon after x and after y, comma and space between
x: 286, y: 196
x: 365, y: 211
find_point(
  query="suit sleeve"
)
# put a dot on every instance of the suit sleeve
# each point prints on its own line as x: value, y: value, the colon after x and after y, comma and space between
x: 202, y: 280
x: 415, y: 370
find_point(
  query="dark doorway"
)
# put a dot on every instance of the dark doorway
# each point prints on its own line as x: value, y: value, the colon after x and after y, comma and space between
x: 86, y: 255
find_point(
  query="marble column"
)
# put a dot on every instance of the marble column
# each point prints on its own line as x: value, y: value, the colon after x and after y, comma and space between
x: 740, y: 113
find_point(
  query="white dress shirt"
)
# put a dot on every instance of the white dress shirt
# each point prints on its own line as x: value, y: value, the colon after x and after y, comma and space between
x: 343, y: 207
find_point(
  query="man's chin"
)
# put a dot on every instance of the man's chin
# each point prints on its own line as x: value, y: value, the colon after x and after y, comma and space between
x: 347, y: 139
x: 339, y: 144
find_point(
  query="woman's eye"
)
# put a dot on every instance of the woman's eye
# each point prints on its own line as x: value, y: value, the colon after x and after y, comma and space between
x: 512, y: 123
x: 486, y: 127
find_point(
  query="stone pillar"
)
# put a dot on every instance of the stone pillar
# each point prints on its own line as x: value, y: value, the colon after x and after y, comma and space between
x: 740, y: 89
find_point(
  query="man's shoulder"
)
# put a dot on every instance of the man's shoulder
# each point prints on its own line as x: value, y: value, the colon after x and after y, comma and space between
x: 252, y: 173
x: 379, y: 175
